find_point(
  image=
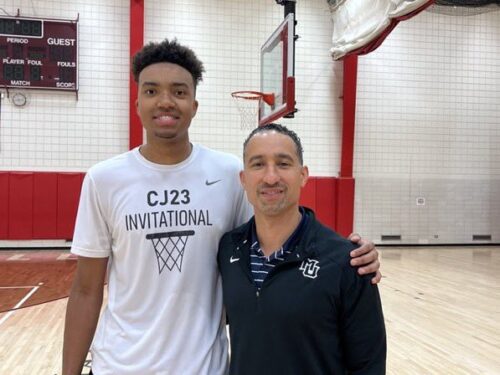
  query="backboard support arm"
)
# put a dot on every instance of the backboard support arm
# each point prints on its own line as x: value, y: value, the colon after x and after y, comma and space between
x: 289, y: 6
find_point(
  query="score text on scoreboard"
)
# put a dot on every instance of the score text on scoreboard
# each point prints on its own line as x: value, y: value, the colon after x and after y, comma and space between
x: 38, y: 53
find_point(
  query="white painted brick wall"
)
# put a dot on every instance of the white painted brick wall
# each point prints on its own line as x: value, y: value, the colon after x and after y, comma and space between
x: 428, y: 111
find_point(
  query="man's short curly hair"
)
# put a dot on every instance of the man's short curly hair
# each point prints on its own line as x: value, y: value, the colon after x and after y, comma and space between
x: 169, y: 52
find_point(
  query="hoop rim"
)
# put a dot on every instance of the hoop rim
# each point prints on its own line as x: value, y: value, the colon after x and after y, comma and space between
x: 249, y: 95
x: 254, y: 95
x: 180, y: 233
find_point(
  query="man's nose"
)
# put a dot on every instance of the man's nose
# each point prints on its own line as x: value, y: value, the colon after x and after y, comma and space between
x: 165, y: 100
x: 271, y: 175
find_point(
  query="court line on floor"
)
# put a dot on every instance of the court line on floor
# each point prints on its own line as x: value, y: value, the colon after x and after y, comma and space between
x: 19, y: 304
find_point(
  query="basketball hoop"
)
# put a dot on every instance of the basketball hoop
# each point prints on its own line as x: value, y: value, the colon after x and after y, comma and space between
x: 248, y: 104
x: 169, y: 248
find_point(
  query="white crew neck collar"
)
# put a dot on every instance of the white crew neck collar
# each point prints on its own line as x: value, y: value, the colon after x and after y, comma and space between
x: 141, y: 159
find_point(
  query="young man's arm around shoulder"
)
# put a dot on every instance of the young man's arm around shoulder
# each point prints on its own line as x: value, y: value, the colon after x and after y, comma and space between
x: 82, y: 314
x: 361, y: 324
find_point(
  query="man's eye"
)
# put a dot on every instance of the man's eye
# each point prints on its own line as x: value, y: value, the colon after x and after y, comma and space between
x: 180, y: 92
x: 149, y: 92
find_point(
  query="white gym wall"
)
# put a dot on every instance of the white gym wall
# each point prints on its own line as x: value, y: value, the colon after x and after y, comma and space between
x: 54, y: 131
x: 428, y: 126
x: 227, y: 36
x: 427, y: 121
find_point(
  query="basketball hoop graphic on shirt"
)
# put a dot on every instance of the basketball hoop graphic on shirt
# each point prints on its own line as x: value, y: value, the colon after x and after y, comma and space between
x: 169, y: 248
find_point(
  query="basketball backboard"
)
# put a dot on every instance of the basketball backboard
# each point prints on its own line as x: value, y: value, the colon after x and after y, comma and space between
x: 277, y: 57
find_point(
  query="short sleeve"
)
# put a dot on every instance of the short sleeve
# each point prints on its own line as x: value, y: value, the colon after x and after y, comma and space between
x: 244, y: 210
x: 92, y: 237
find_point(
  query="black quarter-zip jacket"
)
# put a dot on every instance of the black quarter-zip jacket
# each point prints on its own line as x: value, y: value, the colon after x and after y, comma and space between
x: 313, y: 315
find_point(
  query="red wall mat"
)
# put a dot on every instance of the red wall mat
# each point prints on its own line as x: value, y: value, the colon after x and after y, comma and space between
x: 345, y: 206
x: 20, y: 206
x: 326, y: 205
x: 38, y: 205
x: 68, y: 186
x: 45, y: 206
x: 308, y: 194
x: 4, y: 204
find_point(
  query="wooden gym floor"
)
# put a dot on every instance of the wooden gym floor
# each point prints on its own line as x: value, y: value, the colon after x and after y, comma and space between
x: 441, y: 305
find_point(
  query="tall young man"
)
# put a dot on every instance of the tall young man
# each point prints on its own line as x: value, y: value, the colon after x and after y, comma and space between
x: 294, y: 303
x: 153, y: 217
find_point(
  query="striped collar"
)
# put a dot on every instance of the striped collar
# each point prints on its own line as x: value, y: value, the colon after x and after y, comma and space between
x: 286, y: 246
x: 260, y: 264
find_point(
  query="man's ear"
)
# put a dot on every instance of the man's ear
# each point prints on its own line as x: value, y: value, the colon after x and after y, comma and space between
x: 195, y: 107
x: 305, y: 175
x: 242, y: 178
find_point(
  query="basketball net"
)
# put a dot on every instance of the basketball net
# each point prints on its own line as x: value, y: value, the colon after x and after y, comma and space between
x: 169, y: 248
x: 248, y: 104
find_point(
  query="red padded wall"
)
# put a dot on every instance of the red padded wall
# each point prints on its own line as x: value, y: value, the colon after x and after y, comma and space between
x: 345, y: 206
x: 20, y: 206
x: 326, y: 192
x: 45, y: 206
x: 38, y: 205
x: 308, y: 194
x: 4, y: 204
x: 68, y: 186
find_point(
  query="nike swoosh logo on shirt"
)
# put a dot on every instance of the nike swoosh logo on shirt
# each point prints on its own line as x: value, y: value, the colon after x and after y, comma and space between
x: 232, y: 260
x: 208, y: 183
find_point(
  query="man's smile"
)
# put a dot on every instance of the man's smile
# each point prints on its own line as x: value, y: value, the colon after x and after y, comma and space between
x: 165, y: 120
x: 271, y: 192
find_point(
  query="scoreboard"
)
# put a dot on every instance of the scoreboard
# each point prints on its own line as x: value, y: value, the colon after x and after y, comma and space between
x: 38, y: 53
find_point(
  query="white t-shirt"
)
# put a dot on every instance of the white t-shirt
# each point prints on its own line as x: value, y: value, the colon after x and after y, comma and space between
x: 160, y: 226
